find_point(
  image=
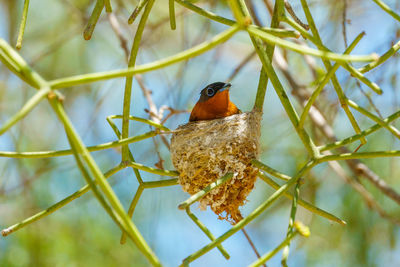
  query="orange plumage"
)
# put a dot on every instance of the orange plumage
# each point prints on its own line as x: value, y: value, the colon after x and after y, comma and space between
x: 214, y: 103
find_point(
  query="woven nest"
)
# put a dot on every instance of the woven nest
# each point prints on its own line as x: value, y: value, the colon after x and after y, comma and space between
x: 204, y: 151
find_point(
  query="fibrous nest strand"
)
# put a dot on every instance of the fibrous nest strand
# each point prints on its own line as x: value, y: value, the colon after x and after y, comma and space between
x: 204, y: 151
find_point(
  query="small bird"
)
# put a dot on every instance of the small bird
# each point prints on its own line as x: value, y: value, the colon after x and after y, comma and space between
x: 214, y: 103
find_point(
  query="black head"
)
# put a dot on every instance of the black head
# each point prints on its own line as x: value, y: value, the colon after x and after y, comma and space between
x: 211, y: 89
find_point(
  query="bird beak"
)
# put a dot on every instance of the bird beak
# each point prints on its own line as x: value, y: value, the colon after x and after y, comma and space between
x: 225, y: 87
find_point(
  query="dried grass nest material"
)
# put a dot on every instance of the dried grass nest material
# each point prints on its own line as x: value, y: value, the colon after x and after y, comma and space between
x: 204, y: 151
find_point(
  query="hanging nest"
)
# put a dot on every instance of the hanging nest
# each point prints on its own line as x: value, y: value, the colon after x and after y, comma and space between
x: 204, y: 151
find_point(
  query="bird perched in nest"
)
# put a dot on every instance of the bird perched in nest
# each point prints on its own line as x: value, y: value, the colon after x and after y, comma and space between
x: 214, y: 103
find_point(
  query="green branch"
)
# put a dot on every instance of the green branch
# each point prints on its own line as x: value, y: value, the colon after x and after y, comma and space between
x: 269, y: 170
x: 107, y: 4
x: 29, y: 105
x: 22, y: 25
x: 58, y: 153
x: 105, y: 187
x: 97, y: 193
x: 338, y: 89
x: 94, y: 17
x: 301, y: 202
x: 207, y: 232
x: 287, y: 105
x: 139, y: 191
x: 205, y: 191
x: 387, y: 9
x: 160, y: 183
x: 263, y: 80
x: 137, y: 10
x: 354, y: 72
x: 360, y: 155
x: 251, y: 216
x: 356, y: 137
x: 309, y: 51
x: 184, y: 55
x: 388, y: 54
x: 131, y: 210
x: 115, y: 209
x: 129, y: 79
x: 375, y: 118
x: 11, y: 64
x: 292, y: 218
x: 172, y: 20
x: 149, y: 122
x: 152, y: 170
x: 56, y: 206
x: 24, y: 71
x: 325, y: 80
x: 267, y: 66
x: 118, y: 134
x: 300, y: 229
x: 276, y: 32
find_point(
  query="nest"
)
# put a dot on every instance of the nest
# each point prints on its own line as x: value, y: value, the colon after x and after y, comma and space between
x: 204, y: 151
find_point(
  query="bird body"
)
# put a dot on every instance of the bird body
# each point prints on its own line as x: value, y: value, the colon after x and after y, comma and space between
x: 214, y: 103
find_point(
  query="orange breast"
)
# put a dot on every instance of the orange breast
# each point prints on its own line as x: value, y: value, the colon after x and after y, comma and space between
x: 218, y: 106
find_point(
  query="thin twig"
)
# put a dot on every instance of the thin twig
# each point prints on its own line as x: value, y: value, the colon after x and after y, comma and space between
x: 344, y: 22
x: 117, y: 30
x: 252, y: 245
x: 241, y: 65
x: 366, y: 196
x: 22, y: 25
x: 294, y: 16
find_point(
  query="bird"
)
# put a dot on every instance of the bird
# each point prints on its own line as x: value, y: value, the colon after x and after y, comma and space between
x: 214, y: 103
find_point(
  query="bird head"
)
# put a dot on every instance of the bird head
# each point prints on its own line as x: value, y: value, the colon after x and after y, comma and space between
x: 213, y: 89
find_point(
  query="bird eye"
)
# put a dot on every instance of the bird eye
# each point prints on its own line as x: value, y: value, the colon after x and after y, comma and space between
x: 210, y: 92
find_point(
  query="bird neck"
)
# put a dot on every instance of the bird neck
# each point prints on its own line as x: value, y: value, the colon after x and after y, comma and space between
x: 219, y: 102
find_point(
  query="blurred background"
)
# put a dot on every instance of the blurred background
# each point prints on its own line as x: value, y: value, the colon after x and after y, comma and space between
x: 82, y: 234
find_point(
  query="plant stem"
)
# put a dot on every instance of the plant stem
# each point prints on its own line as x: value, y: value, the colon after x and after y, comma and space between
x: 129, y: 79
x: 301, y: 202
x: 131, y: 210
x: 360, y: 155
x: 263, y: 80
x: 152, y: 170
x: 271, y: 171
x: 56, y: 206
x: 251, y: 216
x: 206, y: 231
x: 94, y: 17
x: 110, y: 210
x: 305, y: 138
x: 29, y: 105
x: 172, y: 14
x: 375, y: 118
x: 285, y: 252
x: 160, y: 183
x: 149, y: 122
x: 326, y: 79
x: 356, y: 137
x: 285, y: 242
x: 387, y: 9
x: 205, y: 191
x: 22, y: 25
x: 307, y: 50
x: 107, y: 4
x: 354, y: 72
x: 58, y: 153
x: 381, y: 59
x: 277, y: 32
x: 184, y: 55
x: 342, y: 97
x: 137, y: 10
